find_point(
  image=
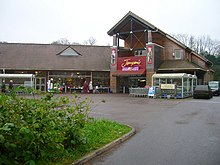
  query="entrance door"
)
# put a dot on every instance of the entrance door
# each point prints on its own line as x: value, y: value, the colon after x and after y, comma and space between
x: 124, y: 83
x: 137, y: 82
x: 41, y: 84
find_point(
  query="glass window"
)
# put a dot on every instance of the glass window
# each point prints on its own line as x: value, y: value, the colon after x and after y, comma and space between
x: 169, y: 81
x: 162, y: 81
x: 156, y: 82
x: 185, y: 86
x: 178, y: 54
x: 177, y: 81
x: 139, y: 52
x: 101, y: 78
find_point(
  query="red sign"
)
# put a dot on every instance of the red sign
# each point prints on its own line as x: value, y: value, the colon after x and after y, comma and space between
x: 131, y: 63
x: 113, y: 55
x: 149, y: 54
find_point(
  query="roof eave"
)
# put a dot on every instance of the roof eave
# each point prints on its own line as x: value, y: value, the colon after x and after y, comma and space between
x: 203, y: 58
x: 175, y: 69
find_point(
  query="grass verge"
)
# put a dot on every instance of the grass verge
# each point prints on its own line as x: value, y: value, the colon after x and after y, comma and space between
x: 98, y: 133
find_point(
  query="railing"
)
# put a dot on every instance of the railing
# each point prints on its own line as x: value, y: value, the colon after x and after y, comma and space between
x: 138, y: 92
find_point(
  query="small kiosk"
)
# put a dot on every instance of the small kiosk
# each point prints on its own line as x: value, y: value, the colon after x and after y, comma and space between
x: 174, y: 85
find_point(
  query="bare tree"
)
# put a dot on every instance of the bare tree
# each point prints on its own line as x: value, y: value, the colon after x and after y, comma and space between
x: 183, y: 38
x: 91, y: 41
x: 199, y: 44
x: 62, y: 41
x: 192, y: 42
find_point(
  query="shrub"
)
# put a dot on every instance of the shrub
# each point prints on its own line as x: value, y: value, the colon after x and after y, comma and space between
x: 36, y: 129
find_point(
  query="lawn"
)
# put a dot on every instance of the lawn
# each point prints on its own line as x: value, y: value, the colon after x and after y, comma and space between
x: 98, y: 133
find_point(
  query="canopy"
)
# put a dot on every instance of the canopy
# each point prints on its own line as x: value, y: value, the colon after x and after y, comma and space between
x: 17, y: 76
x: 173, y: 75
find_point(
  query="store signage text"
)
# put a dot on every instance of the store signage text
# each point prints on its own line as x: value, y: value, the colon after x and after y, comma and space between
x: 131, y: 63
x: 134, y: 68
x: 128, y: 62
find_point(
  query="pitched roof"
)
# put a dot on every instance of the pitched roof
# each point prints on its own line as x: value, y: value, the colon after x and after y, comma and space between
x: 50, y: 57
x: 178, y: 65
x: 138, y: 20
x: 148, y: 26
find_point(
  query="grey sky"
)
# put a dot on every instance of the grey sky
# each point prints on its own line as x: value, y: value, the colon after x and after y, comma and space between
x: 45, y: 21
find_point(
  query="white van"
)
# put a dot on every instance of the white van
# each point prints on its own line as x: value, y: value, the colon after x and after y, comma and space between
x: 214, y: 85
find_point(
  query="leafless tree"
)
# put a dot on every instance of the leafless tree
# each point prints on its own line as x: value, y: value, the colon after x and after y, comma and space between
x: 62, y: 41
x: 199, y: 44
x: 91, y: 41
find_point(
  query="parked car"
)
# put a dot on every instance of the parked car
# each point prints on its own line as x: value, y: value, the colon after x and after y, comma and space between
x: 202, y: 91
x: 215, y: 87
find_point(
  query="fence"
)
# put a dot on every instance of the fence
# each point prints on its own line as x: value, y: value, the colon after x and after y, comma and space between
x: 138, y: 92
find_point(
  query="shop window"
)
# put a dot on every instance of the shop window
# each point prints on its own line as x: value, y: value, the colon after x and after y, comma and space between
x: 178, y: 54
x: 101, y: 78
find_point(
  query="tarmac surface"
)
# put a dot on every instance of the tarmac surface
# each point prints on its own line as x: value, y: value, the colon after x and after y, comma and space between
x: 169, y: 131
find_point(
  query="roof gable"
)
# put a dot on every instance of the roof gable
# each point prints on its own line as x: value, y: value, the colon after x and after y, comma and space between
x: 124, y: 24
x: 69, y: 51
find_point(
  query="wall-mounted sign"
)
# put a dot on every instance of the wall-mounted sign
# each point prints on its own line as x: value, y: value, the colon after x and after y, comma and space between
x: 131, y: 63
x: 149, y: 55
x: 113, y: 56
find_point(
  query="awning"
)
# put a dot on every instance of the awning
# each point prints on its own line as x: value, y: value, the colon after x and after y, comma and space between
x: 17, y: 76
x: 129, y: 73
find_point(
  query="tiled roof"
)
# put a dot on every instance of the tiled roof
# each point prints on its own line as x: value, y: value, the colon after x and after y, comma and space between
x: 47, y: 57
x: 178, y: 65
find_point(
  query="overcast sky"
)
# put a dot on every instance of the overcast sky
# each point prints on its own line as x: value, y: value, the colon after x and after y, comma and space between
x: 45, y: 21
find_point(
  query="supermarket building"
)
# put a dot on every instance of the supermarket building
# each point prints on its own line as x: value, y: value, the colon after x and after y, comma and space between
x: 146, y: 51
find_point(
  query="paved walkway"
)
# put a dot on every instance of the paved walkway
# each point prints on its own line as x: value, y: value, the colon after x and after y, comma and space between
x: 169, y: 132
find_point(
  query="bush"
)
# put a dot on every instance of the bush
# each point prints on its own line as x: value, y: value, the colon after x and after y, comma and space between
x: 37, y: 129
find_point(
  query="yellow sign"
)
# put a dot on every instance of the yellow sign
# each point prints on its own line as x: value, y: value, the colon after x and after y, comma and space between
x: 167, y: 86
x: 127, y: 62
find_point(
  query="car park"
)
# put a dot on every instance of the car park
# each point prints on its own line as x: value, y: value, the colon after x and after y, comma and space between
x: 202, y: 91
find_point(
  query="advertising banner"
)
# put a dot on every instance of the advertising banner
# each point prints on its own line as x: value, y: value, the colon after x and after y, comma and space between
x: 113, y: 55
x: 150, y: 57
